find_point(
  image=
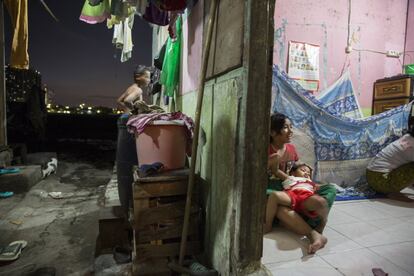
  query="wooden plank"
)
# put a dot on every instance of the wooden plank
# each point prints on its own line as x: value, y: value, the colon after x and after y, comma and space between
x: 157, y: 189
x: 139, y: 205
x: 151, y: 267
x: 172, y: 249
x: 155, y: 215
x: 167, y: 232
x: 181, y: 174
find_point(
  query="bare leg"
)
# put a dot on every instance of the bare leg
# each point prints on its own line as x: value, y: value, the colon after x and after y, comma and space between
x: 293, y: 221
x: 274, y: 200
x: 320, y: 206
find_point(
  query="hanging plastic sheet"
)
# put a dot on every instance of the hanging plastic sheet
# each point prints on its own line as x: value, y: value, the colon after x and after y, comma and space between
x: 340, y: 98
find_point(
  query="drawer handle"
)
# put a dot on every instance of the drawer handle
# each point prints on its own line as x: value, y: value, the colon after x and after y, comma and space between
x: 393, y: 89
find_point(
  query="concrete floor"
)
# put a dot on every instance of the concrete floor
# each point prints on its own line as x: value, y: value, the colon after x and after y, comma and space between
x: 60, y: 232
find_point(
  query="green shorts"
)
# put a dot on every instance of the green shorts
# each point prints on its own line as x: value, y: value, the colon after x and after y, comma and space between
x: 326, y: 191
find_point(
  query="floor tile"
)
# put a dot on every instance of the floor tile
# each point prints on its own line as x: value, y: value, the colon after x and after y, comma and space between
x: 393, y: 207
x: 339, y: 217
x: 401, y: 254
x: 337, y: 243
x: 361, y: 262
x: 364, y: 211
x: 366, y: 234
x: 283, y: 245
x: 312, y: 265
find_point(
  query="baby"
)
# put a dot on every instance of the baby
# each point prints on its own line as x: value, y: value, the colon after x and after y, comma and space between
x: 299, y: 194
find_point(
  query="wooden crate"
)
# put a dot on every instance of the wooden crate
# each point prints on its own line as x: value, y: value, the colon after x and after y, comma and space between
x: 113, y: 230
x: 159, y: 206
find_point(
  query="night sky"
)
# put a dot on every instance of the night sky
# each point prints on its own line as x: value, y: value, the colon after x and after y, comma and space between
x: 77, y: 60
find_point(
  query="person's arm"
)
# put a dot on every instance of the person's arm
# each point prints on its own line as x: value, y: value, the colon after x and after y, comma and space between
x: 121, y: 99
x: 273, y: 166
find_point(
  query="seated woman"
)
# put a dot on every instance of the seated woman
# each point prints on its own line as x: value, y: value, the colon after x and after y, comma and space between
x: 392, y: 169
x: 282, y: 155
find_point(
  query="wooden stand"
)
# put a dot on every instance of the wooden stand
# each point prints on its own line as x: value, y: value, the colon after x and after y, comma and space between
x: 159, y: 203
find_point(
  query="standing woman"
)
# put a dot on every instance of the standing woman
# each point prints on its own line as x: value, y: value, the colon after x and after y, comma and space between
x: 126, y: 154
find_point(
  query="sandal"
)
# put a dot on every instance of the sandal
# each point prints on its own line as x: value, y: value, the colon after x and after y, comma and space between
x: 12, y: 251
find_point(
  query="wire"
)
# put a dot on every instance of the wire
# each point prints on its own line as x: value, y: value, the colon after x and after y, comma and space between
x: 371, y: 51
x: 349, y: 23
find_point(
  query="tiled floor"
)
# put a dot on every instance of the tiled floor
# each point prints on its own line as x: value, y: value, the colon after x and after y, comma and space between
x: 361, y: 234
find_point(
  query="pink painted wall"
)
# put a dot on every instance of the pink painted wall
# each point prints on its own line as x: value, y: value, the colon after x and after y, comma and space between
x: 191, y: 48
x: 375, y: 26
x: 409, y: 44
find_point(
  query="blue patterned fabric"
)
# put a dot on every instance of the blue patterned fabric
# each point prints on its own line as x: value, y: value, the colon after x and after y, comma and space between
x: 340, y: 99
x: 343, y: 145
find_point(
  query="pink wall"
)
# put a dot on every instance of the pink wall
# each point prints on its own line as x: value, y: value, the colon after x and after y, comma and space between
x: 409, y: 44
x: 191, y: 48
x: 375, y: 26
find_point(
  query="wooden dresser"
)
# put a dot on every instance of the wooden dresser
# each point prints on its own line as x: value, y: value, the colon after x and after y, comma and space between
x: 392, y: 92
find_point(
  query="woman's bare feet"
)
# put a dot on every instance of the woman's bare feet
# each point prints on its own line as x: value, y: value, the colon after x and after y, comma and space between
x: 318, y: 241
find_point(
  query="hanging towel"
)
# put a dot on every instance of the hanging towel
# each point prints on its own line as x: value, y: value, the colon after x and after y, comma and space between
x: 95, y: 14
x: 19, y: 57
x: 123, y: 37
x: 171, y: 66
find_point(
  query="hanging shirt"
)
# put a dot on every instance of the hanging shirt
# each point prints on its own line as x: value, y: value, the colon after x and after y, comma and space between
x: 122, y: 37
x: 95, y: 14
x: 170, y: 73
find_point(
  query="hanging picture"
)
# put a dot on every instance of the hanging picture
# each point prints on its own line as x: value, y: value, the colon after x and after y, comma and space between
x: 303, y: 64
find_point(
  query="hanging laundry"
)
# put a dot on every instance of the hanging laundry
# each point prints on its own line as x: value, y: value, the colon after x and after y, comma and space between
x: 94, y: 2
x: 156, y: 16
x: 170, y: 5
x: 123, y: 37
x: 95, y: 14
x: 118, y: 8
x: 171, y: 66
x: 159, y: 59
x: 191, y: 4
x: 172, y: 30
x: 137, y: 123
x: 19, y: 57
x: 139, y: 5
x: 119, y: 14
